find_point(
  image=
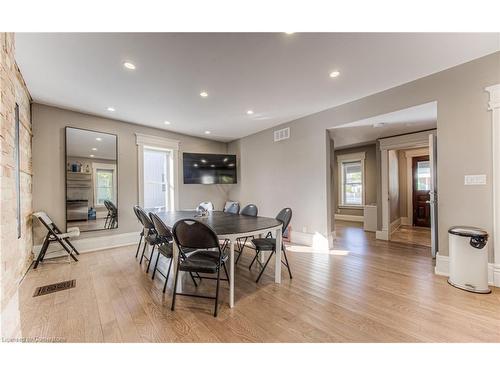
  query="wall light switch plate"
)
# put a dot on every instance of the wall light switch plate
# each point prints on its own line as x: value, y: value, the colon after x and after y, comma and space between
x: 476, y: 179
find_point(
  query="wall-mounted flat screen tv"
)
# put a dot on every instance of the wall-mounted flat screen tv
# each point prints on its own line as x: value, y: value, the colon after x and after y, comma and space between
x: 209, y: 168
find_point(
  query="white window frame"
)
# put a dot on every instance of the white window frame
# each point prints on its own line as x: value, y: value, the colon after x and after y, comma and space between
x: 349, y: 158
x: 163, y: 144
x: 95, y: 167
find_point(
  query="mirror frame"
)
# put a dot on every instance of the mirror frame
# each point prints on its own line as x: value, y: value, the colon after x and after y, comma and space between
x: 66, y: 179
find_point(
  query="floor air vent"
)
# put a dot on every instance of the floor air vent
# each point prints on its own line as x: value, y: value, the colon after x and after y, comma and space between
x: 52, y: 288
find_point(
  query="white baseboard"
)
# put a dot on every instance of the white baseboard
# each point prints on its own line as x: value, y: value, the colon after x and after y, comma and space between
x: 443, y: 264
x: 85, y: 245
x: 359, y: 219
x: 395, y: 225
x: 301, y: 238
x: 382, y: 235
x: 405, y: 221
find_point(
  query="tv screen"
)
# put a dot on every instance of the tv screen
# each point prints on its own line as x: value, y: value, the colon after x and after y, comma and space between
x: 209, y: 168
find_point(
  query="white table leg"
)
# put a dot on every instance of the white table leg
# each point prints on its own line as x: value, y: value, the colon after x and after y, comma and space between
x: 277, y: 271
x: 231, y: 273
x: 175, y: 253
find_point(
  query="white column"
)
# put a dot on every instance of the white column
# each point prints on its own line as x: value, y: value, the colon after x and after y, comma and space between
x: 494, y: 106
x: 384, y: 161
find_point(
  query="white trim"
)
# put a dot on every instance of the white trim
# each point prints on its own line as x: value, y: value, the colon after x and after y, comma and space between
x: 405, y: 221
x: 356, y: 218
x: 494, y: 106
x: 171, y: 145
x: 395, y: 225
x: 443, y: 264
x: 415, y: 140
x: 85, y: 245
x: 382, y: 235
x: 301, y: 238
x: 347, y: 158
x: 108, y: 166
x: 409, y: 155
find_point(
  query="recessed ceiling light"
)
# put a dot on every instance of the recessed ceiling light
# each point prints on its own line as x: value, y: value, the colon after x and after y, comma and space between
x: 91, y: 155
x: 203, y: 161
x: 98, y: 139
x: 379, y: 125
x: 289, y: 32
x: 203, y: 94
x: 249, y: 112
x: 129, y: 65
x: 111, y: 109
x: 334, y: 74
x: 207, y: 131
x: 94, y: 149
x: 166, y: 122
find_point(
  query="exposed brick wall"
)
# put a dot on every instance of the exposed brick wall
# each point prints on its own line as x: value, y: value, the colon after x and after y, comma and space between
x: 15, y: 254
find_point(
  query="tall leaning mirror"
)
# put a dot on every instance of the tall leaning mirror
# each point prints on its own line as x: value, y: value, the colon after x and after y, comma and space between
x: 91, y: 177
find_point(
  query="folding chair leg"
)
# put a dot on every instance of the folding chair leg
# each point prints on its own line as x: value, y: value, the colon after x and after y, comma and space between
x: 175, y: 287
x: 143, y: 250
x: 156, y: 265
x: 240, y: 248
x: 217, y: 293
x: 42, y: 252
x: 62, y: 243
x: 151, y: 257
x: 287, y: 264
x: 138, y: 246
x: 168, y: 273
x: 253, y: 260
x: 264, y: 268
x: 194, y: 281
x: 71, y: 245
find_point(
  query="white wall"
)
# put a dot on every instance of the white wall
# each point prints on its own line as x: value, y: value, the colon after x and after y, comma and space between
x: 49, y: 165
x: 295, y: 172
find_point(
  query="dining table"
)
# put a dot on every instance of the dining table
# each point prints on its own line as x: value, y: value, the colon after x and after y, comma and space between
x: 230, y: 227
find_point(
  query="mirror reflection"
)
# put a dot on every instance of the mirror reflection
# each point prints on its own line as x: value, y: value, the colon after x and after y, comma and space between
x: 91, y: 177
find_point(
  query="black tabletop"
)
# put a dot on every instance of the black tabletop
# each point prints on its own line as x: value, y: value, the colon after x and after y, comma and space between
x: 222, y: 222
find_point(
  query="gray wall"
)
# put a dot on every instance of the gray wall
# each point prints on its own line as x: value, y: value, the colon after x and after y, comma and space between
x: 295, y: 173
x: 49, y: 165
x: 393, y: 185
x: 370, y: 177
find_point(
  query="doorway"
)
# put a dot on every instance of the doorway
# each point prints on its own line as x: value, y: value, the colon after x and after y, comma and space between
x: 421, y: 191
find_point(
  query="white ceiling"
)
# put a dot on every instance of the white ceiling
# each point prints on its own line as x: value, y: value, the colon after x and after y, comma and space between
x: 280, y: 77
x: 408, y: 120
x: 79, y: 143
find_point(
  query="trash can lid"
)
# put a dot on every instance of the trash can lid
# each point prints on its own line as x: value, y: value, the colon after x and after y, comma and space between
x: 465, y: 231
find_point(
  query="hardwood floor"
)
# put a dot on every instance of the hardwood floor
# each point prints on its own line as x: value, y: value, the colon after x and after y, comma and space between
x: 412, y: 235
x: 365, y: 290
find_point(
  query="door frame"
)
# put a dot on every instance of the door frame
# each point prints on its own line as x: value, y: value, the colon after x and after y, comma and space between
x: 410, y: 154
x: 414, y: 164
x: 171, y: 145
x: 414, y: 140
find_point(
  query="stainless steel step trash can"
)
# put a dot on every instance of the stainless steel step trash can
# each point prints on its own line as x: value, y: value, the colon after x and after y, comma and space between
x: 468, y: 248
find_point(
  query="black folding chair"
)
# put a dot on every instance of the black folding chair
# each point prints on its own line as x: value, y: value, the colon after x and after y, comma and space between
x: 141, y: 233
x: 192, y: 235
x: 165, y: 247
x: 248, y: 210
x: 150, y: 236
x: 269, y: 244
x: 112, y: 217
x: 54, y: 234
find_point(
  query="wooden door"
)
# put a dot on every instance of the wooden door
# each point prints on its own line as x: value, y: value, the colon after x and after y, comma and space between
x: 421, y: 188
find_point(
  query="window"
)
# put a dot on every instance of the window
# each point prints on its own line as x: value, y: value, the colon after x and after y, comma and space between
x: 104, y: 186
x: 104, y: 176
x: 156, y: 172
x: 423, y: 176
x: 351, y: 179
